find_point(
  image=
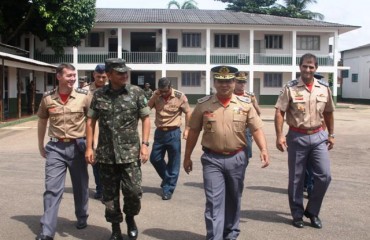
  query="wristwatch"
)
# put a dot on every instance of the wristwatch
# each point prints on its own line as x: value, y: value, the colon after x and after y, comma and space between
x: 332, y: 135
x: 145, y: 143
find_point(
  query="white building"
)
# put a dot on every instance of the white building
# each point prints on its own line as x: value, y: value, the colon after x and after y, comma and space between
x: 185, y: 44
x: 356, y: 80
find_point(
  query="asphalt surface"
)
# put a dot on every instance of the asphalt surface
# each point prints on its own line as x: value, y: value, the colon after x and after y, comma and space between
x: 264, y: 215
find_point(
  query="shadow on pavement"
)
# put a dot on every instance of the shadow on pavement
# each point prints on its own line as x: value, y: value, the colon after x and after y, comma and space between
x: 266, y: 216
x: 194, y: 184
x: 269, y: 189
x: 65, y: 228
x: 163, y: 234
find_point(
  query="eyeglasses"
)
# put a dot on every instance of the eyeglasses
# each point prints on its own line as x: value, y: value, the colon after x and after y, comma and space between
x: 241, y: 81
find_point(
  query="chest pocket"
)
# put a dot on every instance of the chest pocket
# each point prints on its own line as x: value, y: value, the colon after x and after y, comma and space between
x: 321, y: 102
x: 76, y: 114
x: 56, y: 115
x: 239, y: 122
x: 209, y: 124
x: 299, y: 105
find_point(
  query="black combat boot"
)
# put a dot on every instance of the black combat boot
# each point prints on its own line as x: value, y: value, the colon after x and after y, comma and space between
x: 116, y: 232
x: 131, y: 227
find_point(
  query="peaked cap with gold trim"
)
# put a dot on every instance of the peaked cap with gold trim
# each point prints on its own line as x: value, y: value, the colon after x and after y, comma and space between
x: 241, y: 76
x: 224, y: 72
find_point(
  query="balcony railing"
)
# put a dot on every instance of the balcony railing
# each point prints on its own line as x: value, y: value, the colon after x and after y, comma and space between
x: 174, y: 57
x: 238, y: 58
x: 271, y: 59
x: 182, y: 58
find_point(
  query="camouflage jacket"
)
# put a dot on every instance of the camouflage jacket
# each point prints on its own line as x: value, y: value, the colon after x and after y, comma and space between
x: 118, y: 114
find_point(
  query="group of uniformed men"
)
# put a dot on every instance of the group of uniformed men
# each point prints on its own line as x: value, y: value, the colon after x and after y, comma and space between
x: 109, y: 140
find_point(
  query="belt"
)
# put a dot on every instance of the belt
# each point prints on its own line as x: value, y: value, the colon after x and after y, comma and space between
x: 165, y: 129
x: 306, y: 131
x: 65, y: 140
x: 231, y: 153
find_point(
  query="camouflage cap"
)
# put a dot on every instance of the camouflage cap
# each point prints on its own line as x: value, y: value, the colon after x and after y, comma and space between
x: 117, y: 64
x: 224, y: 72
x: 82, y: 79
x: 241, y: 76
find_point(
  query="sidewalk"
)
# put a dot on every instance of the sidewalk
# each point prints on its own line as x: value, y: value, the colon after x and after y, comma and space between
x: 265, y: 212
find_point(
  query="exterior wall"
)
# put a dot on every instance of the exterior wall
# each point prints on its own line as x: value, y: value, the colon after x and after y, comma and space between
x: 359, y: 62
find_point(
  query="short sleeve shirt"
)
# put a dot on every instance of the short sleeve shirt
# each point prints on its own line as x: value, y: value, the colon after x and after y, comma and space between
x: 224, y: 127
x: 168, y: 113
x: 304, y: 108
x: 65, y: 120
x: 118, y: 114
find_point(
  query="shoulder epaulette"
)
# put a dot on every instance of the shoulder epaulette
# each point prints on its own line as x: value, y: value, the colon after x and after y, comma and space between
x: 178, y: 94
x: 83, y: 91
x: 244, y: 99
x: 322, y: 82
x: 48, y: 93
x: 249, y: 93
x: 204, y: 99
x: 292, y: 83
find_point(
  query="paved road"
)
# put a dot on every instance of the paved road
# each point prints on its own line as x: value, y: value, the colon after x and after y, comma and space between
x: 265, y: 213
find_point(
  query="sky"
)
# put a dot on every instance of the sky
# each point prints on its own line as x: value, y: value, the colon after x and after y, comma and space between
x: 355, y: 13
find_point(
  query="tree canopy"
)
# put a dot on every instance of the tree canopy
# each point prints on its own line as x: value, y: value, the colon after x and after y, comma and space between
x: 188, y: 4
x: 60, y: 22
x: 290, y: 8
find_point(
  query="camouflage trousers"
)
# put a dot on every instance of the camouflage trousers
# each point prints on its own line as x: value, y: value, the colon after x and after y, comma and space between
x: 126, y: 177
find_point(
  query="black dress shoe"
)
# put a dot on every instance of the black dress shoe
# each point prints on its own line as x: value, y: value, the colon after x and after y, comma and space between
x: 166, y: 196
x: 298, y: 223
x: 132, y: 231
x: 315, y: 220
x: 43, y: 237
x: 81, y: 224
x: 116, y: 236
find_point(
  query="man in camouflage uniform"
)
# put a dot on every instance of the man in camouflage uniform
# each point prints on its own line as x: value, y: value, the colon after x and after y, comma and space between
x: 240, y: 82
x: 118, y: 106
x: 147, y: 91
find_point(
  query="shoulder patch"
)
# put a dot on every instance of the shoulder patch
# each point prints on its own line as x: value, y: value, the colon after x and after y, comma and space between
x: 83, y: 91
x: 322, y: 82
x: 48, y: 93
x: 292, y: 83
x: 249, y: 93
x: 204, y: 99
x: 178, y: 94
x: 244, y: 99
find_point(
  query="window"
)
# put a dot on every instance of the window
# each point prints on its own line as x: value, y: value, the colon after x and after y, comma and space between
x: 345, y: 73
x: 190, y: 79
x: 191, y: 40
x: 354, y: 77
x: 308, y: 42
x: 274, y: 41
x: 226, y: 41
x: 95, y: 39
x: 273, y: 80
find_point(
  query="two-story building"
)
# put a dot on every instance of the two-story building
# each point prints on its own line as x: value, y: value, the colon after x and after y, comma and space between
x: 184, y: 44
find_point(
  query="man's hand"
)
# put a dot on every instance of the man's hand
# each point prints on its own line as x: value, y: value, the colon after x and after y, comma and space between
x: 265, y: 159
x: 144, y: 153
x: 89, y: 156
x: 185, y: 134
x: 42, y: 151
x: 188, y: 165
x: 281, y: 143
x: 330, y: 143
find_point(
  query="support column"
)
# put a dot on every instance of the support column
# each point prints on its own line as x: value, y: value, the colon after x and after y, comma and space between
x: 208, y: 61
x: 164, y: 52
x: 119, y: 42
x: 251, y: 60
x: 294, y: 54
x: 335, y: 67
x: 75, y: 62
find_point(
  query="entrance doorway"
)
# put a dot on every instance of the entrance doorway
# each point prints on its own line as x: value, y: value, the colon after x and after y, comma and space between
x: 140, y: 77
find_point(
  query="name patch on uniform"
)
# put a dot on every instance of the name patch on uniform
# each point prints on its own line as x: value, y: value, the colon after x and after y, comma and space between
x: 204, y: 99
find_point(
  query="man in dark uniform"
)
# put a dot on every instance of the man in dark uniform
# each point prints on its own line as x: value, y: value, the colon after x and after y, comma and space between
x: 100, y: 80
x: 147, y: 91
x: 223, y: 118
x: 82, y: 82
x: 169, y: 105
x: 240, y: 82
x: 66, y: 110
x: 118, y: 106
x: 307, y: 103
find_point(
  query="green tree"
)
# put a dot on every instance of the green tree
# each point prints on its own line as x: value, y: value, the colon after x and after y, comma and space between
x: 189, y: 4
x: 290, y: 8
x: 60, y: 22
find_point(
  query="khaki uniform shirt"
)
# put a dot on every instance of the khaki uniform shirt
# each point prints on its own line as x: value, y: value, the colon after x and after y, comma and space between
x: 224, y: 127
x: 304, y: 109
x: 168, y: 114
x: 253, y: 99
x: 118, y: 114
x: 65, y: 120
